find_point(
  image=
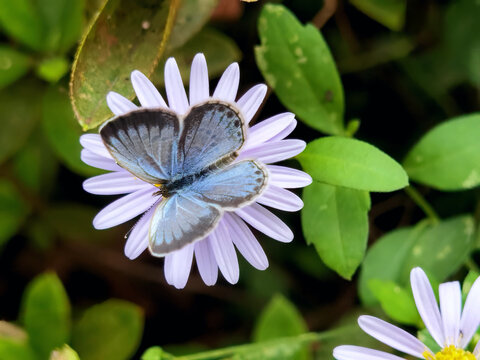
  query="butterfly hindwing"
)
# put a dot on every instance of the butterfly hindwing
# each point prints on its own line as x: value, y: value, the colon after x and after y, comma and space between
x: 144, y: 142
x: 211, y: 131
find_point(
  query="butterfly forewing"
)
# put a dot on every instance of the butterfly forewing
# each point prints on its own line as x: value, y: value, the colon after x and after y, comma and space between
x: 145, y: 143
x: 211, y: 132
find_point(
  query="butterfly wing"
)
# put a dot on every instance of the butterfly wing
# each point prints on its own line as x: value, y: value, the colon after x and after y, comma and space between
x: 193, y: 213
x: 211, y: 132
x: 144, y: 142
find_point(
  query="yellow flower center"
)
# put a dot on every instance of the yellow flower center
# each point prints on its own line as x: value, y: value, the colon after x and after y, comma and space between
x: 450, y: 353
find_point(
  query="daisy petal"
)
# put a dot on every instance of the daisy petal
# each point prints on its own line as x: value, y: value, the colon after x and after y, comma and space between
x: 199, y: 87
x: 224, y: 252
x: 266, y: 222
x: 287, y: 177
x: 427, y: 305
x: 177, y: 98
x: 471, y: 314
x: 206, y: 263
x: 147, y: 93
x: 114, y: 183
x: 476, y: 351
x: 137, y: 241
x: 227, y: 86
x: 246, y: 242
x: 251, y: 101
x: 349, y: 352
x: 178, y: 265
x: 450, y: 308
x: 265, y: 130
x: 392, y: 336
x: 119, y: 104
x: 279, y: 198
x: 272, y: 152
x: 94, y: 143
x: 285, y: 132
x: 98, y: 161
x: 125, y: 208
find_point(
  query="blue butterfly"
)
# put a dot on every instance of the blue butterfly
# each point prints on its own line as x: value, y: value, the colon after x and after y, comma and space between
x: 191, y: 160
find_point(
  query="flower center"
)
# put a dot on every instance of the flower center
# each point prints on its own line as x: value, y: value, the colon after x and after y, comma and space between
x: 450, y: 353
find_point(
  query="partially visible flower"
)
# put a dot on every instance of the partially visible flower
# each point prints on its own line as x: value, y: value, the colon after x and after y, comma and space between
x: 264, y: 143
x: 451, y: 328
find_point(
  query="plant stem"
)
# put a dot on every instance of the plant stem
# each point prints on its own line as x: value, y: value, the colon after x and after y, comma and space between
x: 422, y: 203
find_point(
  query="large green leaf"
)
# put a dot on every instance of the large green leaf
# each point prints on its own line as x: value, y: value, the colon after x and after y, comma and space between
x: 46, y: 314
x: 127, y: 35
x: 390, y: 13
x: 335, y: 221
x: 298, y: 65
x: 11, y: 349
x: 439, y: 248
x: 13, y: 65
x: 280, y: 319
x: 448, y: 156
x: 352, y: 163
x: 108, y: 331
x: 13, y: 210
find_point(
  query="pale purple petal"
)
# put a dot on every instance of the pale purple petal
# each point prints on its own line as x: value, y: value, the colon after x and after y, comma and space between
x: 272, y: 152
x: 206, y: 263
x: 94, y: 143
x: 281, y: 199
x: 125, y: 208
x: 137, y: 241
x: 392, y: 336
x: 224, y: 252
x: 350, y: 352
x: 266, y: 222
x: 285, y: 132
x: 114, y: 183
x: 427, y: 304
x: 147, y: 93
x: 476, y: 351
x: 251, y: 101
x: 199, y: 87
x: 471, y: 314
x: 227, y: 86
x: 267, y: 129
x: 98, y: 161
x: 287, y: 177
x: 178, y: 265
x: 118, y: 104
x: 245, y: 241
x: 177, y: 97
x: 450, y: 296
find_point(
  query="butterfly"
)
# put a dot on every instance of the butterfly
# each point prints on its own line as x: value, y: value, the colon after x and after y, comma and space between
x: 191, y: 160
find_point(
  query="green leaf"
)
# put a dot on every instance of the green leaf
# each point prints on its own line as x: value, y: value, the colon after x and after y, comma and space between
x: 11, y: 349
x: 219, y: 50
x: 448, y: 156
x: 65, y: 353
x: 43, y: 25
x: 62, y: 132
x: 396, y: 301
x: 19, y: 104
x: 13, y: 65
x: 438, y: 248
x: 390, y: 13
x: 52, y: 69
x: 468, y: 282
x: 13, y: 210
x: 108, y: 331
x: 335, y: 221
x: 281, y: 319
x: 46, y: 314
x: 153, y: 353
x: 297, y: 63
x: 352, y: 163
x: 128, y: 35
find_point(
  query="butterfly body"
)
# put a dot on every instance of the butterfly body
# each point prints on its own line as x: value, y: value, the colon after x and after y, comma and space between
x: 191, y: 159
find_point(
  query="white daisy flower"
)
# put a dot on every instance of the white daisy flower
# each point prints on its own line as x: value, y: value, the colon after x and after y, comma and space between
x: 451, y: 327
x: 264, y: 142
